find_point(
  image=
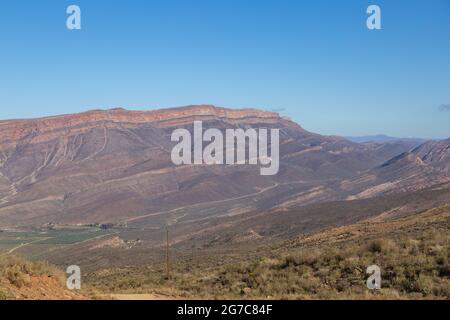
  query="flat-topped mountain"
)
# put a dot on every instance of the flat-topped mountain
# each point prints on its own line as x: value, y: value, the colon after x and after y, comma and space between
x: 48, y: 128
x: 114, y: 166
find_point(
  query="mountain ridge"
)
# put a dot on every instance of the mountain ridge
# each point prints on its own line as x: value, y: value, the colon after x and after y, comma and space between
x: 14, y: 130
x: 383, y: 138
x: 114, y: 166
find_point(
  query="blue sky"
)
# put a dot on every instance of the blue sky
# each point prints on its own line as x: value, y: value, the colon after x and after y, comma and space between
x: 316, y: 60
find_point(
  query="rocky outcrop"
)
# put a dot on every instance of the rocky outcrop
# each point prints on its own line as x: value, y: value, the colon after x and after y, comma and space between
x: 41, y: 130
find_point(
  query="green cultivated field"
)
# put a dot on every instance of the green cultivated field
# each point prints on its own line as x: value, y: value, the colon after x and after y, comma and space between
x: 56, y: 237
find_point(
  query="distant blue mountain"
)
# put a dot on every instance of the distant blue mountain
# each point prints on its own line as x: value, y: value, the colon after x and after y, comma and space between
x: 384, y: 138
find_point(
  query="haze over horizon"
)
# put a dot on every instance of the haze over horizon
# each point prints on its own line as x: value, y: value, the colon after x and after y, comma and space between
x: 316, y: 61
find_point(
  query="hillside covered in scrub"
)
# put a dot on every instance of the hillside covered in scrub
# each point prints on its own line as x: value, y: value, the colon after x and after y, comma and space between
x: 24, y: 280
x: 412, y: 252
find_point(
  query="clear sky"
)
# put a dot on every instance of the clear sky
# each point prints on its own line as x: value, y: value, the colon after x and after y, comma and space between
x: 315, y: 60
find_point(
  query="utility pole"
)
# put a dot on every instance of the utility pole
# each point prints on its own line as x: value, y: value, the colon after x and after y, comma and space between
x: 167, y: 254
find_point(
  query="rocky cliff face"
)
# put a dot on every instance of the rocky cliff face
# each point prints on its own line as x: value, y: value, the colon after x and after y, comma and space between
x: 49, y: 128
x: 114, y: 166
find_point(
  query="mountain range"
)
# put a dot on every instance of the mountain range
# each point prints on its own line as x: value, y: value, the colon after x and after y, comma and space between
x: 382, y: 138
x: 114, y: 167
